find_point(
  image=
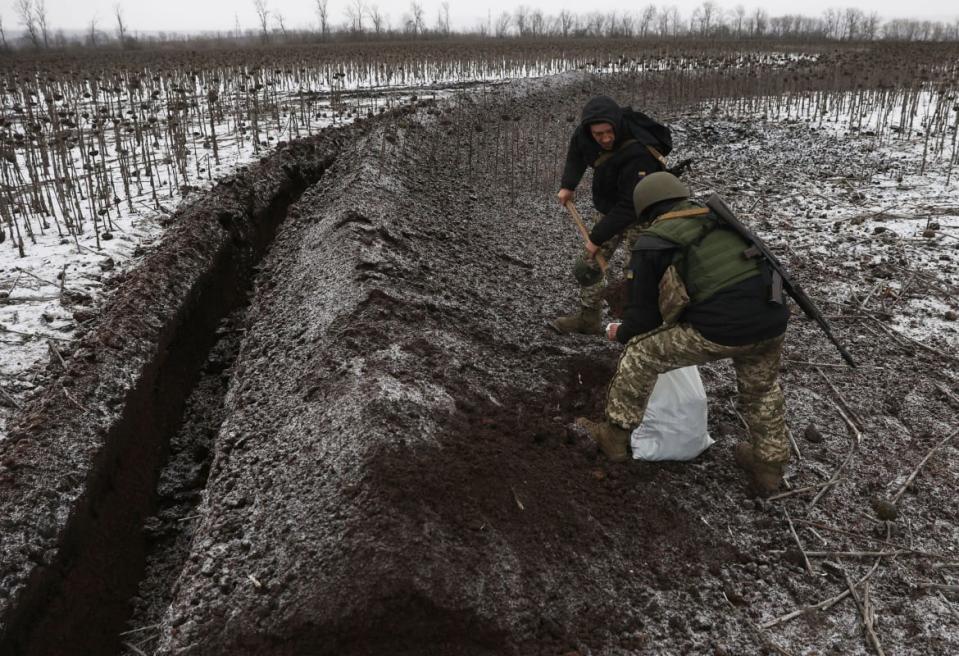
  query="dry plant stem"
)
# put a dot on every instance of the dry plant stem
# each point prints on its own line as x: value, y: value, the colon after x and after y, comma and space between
x: 742, y: 420
x: 834, y: 365
x: 864, y: 613
x: 141, y: 629
x: 826, y: 603
x: 10, y: 399
x: 852, y: 450
x: 842, y: 401
x: 802, y: 550
x: 948, y: 394
x: 897, y: 335
x: 859, y: 554
x: 134, y: 648
x: 36, y: 277
x: 952, y: 609
x: 921, y: 464
x: 925, y: 554
x: 942, y: 587
x: 803, y: 490
x: 766, y: 640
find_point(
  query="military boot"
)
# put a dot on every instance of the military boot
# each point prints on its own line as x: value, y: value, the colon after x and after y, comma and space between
x: 613, y: 440
x: 766, y: 477
x: 588, y: 321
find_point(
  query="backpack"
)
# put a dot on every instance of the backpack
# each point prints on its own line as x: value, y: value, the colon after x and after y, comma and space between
x: 648, y: 131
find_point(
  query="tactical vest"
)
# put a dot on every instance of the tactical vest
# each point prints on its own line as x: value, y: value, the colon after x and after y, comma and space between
x: 710, y: 257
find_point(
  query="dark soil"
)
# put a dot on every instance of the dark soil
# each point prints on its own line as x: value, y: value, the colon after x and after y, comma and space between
x: 396, y: 470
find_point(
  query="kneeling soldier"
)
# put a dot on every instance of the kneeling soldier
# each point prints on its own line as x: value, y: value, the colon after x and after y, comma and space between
x: 694, y: 297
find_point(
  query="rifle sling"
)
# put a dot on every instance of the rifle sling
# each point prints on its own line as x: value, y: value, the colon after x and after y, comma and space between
x: 682, y: 214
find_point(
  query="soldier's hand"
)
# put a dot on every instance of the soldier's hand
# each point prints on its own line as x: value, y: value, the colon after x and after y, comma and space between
x: 611, y: 330
x: 565, y: 196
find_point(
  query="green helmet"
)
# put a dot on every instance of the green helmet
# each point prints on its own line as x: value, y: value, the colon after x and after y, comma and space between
x: 656, y: 187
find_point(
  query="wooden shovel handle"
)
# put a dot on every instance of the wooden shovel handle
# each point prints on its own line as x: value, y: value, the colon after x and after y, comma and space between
x: 600, y: 260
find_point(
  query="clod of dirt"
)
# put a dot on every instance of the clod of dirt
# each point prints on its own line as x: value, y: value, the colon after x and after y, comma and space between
x: 885, y: 509
x: 951, y: 316
x: 812, y: 434
x: 794, y: 557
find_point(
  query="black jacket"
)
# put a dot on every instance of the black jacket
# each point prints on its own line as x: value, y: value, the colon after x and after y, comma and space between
x: 735, y: 316
x: 615, y: 178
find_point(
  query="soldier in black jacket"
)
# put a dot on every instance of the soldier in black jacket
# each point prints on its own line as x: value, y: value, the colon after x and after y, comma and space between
x: 617, y: 144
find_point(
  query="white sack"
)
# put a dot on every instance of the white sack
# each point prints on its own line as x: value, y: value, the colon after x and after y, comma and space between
x: 674, y: 426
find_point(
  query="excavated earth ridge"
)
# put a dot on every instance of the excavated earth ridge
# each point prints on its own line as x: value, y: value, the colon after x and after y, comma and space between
x: 79, y: 470
x: 396, y: 469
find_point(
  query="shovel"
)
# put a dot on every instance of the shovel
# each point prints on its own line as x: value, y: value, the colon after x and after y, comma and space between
x: 600, y: 260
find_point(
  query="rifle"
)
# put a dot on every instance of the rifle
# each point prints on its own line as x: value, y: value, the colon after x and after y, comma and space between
x: 600, y: 260
x: 781, y: 280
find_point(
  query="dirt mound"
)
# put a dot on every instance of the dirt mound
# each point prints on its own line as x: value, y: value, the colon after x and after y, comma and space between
x: 398, y: 466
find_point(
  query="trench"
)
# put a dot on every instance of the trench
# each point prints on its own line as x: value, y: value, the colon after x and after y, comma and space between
x: 80, y: 603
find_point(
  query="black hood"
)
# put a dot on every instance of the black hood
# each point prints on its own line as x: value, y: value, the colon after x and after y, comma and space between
x: 602, y: 109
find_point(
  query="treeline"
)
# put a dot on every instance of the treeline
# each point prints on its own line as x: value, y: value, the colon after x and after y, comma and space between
x: 363, y: 20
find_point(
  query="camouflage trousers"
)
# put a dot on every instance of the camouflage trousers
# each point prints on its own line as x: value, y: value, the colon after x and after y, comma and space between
x: 591, y: 296
x: 757, y: 379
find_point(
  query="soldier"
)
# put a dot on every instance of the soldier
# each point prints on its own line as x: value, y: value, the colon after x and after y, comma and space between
x: 695, y: 298
x: 622, y: 146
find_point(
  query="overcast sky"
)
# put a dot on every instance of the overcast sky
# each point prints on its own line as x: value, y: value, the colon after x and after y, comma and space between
x: 202, y: 15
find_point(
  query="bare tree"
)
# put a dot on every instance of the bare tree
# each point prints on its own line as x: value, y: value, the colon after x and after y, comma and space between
x: 663, y: 22
x: 40, y: 9
x: 674, y: 18
x: 3, y: 35
x: 595, y: 23
x: 502, y: 24
x: 854, y: 18
x: 121, y: 26
x: 323, y: 13
x: 28, y: 19
x: 521, y: 18
x: 280, y: 24
x: 354, y: 15
x: 707, y: 15
x: 416, y: 17
x: 263, y: 15
x: 93, y: 34
x: 830, y: 19
x: 870, y: 26
x: 443, y: 19
x: 759, y: 22
x: 739, y: 18
x: 646, y: 20
x: 566, y: 22
x: 537, y: 23
x: 377, y: 18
